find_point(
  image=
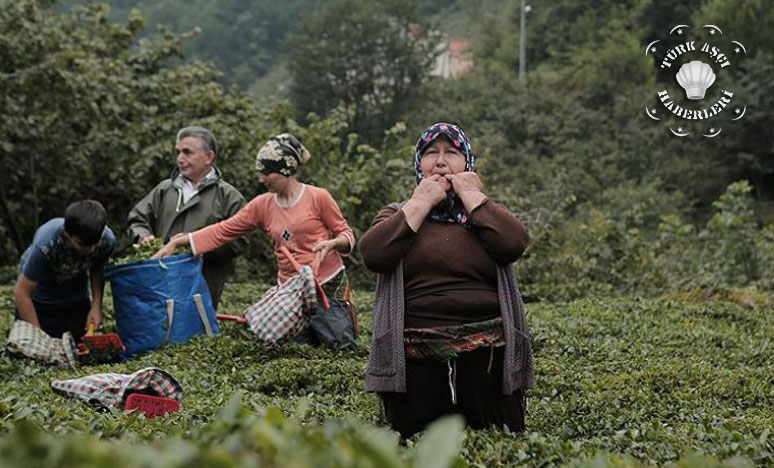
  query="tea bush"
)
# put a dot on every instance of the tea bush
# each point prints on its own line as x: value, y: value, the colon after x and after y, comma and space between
x: 645, y: 249
x: 621, y: 382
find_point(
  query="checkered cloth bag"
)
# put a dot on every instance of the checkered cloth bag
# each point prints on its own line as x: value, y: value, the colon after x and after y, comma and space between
x: 111, y: 390
x: 30, y: 341
x: 283, y: 310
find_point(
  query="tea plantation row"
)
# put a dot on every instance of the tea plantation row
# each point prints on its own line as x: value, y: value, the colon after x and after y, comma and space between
x: 620, y: 382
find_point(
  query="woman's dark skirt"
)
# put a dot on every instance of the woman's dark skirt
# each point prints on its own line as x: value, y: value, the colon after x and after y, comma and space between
x: 478, y: 390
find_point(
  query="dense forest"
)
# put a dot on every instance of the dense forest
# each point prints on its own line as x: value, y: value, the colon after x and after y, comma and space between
x: 92, y: 95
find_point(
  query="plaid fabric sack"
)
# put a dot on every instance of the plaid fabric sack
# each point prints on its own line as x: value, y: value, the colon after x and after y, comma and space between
x: 111, y: 390
x: 283, y: 310
x: 30, y: 341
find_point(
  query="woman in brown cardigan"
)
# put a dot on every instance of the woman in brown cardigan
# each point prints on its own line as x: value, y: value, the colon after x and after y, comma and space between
x: 449, y: 329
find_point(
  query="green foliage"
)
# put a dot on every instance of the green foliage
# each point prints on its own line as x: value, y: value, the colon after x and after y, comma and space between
x: 243, y: 39
x: 238, y: 437
x: 733, y: 230
x: 620, y: 382
x: 145, y: 250
x: 725, y: 252
x: 738, y: 17
x: 580, y: 113
x: 367, y: 54
x: 90, y: 108
x: 97, y: 103
x: 690, y: 461
x: 609, y: 250
x: 84, y: 97
x: 87, y: 113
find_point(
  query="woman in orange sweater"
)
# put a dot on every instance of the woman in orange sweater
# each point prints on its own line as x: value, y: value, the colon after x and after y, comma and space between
x: 303, y: 218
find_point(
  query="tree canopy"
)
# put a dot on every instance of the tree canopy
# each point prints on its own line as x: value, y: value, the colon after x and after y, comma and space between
x: 98, y: 100
x: 374, y: 56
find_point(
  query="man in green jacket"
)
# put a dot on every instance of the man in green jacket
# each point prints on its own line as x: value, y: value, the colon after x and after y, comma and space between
x: 194, y: 196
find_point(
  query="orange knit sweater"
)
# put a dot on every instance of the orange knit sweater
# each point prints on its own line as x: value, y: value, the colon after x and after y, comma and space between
x: 313, y: 217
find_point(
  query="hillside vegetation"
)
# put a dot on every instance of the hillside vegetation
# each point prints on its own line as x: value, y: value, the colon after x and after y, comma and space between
x: 648, y: 281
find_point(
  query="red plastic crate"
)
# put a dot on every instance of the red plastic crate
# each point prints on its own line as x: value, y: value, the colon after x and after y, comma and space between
x: 150, y: 405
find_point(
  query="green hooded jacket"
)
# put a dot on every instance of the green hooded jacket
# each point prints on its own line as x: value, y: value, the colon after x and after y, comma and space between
x: 163, y: 214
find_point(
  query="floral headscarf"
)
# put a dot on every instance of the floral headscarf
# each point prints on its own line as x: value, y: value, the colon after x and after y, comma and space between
x: 281, y: 154
x: 452, y: 210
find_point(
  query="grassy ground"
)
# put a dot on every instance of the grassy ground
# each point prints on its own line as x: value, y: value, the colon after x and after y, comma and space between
x: 647, y: 381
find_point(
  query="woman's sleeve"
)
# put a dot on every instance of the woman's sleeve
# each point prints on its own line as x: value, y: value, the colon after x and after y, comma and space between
x: 387, y: 240
x: 334, y: 220
x: 502, y: 235
x: 245, y: 221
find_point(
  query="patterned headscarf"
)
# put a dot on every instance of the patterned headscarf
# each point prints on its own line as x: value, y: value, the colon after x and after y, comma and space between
x: 281, y: 154
x: 452, y: 211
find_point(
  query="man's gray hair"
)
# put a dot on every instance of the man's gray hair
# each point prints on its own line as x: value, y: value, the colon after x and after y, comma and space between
x: 206, y: 138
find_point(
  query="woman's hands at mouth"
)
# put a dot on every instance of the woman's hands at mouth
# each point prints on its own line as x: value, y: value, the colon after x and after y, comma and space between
x: 429, y: 192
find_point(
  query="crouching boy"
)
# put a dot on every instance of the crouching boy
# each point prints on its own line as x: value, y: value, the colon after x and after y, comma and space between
x: 67, y: 254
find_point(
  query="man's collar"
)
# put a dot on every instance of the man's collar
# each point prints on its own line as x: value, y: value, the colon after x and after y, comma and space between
x: 178, y: 180
x: 210, y: 175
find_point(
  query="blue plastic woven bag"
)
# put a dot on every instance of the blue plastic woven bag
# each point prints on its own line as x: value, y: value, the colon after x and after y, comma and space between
x: 159, y: 302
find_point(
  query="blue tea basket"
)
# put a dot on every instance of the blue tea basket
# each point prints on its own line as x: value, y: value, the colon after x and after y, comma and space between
x: 159, y: 302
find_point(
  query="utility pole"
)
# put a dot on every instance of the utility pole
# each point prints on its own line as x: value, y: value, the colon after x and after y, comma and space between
x: 523, y: 41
